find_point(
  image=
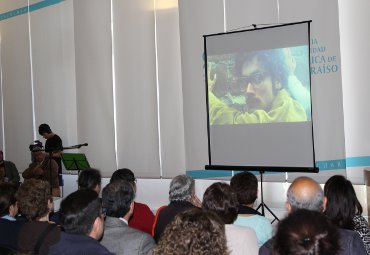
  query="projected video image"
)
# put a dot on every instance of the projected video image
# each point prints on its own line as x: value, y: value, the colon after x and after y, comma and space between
x: 266, y: 86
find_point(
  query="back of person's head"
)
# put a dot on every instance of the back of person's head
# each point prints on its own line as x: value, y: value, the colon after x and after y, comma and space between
x: 7, y: 197
x: 123, y: 174
x: 305, y: 193
x: 117, y: 197
x: 220, y: 199
x: 33, y: 198
x: 306, y: 232
x: 342, y: 204
x: 245, y: 186
x: 79, y: 210
x: 90, y: 179
x: 182, y: 188
x: 44, y: 128
x: 195, y: 232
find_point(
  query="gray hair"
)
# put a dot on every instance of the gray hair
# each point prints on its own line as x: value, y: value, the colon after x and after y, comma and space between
x: 181, y: 188
x: 312, y: 203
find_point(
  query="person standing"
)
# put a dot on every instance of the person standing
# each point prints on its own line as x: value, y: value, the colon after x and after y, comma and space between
x: 53, y: 146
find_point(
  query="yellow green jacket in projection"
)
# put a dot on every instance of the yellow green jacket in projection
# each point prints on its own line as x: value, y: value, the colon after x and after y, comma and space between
x: 284, y: 109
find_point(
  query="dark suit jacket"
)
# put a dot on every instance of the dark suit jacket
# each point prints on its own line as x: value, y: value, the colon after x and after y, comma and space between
x: 72, y: 244
x: 350, y: 242
x: 119, y: 238
x: 9, y: 232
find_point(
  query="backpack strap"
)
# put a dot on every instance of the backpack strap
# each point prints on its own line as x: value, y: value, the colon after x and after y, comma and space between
x: 42, y: 236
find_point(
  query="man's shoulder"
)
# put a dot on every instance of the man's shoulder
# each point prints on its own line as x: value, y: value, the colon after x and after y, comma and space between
x: 77, y: 244
x: 351, y: 242
x: 115, y: 227
x: 9, y: 163
x: 266, y: 248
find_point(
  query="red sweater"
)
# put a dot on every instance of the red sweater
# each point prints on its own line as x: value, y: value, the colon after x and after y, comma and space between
x: 142, y: 218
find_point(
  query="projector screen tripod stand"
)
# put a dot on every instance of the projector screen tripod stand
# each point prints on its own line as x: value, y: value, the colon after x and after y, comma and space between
x: 262, y: 205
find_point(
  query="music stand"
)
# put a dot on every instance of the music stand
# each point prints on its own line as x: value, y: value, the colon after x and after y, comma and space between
x: 75, y: 161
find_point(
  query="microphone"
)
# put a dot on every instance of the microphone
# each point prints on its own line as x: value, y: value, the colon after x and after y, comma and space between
x: 77, y: 146
x: 80, y: 145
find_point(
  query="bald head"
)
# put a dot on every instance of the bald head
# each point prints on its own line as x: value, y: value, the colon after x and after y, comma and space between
x: 305, y: 193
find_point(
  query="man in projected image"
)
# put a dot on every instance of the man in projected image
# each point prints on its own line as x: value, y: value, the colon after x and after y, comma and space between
x: 263, y: 77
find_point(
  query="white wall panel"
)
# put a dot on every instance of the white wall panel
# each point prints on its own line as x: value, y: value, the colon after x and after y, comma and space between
x: 136, y: 87
x: 53, y: 59
x: 170, y: 88
x: 197, y: 18
x: 94, y: 87
x: 355, y: 54
x: 17, y: 94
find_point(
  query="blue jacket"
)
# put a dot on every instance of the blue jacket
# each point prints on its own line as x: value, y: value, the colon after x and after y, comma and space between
x: 72, y: 244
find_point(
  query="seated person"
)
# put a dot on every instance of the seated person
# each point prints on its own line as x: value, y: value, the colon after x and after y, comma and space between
x: 119, y: 238
x: 35, y: 202
x: 245, y: 186
x: 219, y: 199
x: 9, y: 227
x: 90, y: 179
x: 306, y: 193
x: 83, y: 223
x: 193, y: 232
x: 45, y: 169
x: 8, y: 170
x: 306, y: 232
x: 142, y: 217
x: 344, y: 209
x: 182, y: 197
x: 8, y: 203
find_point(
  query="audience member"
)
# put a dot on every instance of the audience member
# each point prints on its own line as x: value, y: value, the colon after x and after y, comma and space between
x: 305, y: 193
x: 182, y: 197
x: 220, y: 199
x: 344, y: 209
x: 45, y: 169
x: 119, y: 238
x: 90, y: 179
x: 194, y: 232
x: 9, y: 228
x: 35, y: 202
x: 245, y: 186
x: 8, y: 170
x: 142, y: 217
x: 83, y: 222
x: 8, y: 203
x: 306, y: 232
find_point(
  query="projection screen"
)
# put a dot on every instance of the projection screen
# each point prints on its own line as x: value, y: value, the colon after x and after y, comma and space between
x: 258, y: 97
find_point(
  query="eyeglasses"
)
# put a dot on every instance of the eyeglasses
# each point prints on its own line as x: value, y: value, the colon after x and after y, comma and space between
x: 255, y: 79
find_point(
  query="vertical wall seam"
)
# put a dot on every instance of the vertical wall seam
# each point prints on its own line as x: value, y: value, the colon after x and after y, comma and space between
x: 114, y: 85
x: 157, y: 86
x: 31, y: 70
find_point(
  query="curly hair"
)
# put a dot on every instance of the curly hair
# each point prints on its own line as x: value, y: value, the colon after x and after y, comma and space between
x: 306, y: 232
x: 32, y: 197
x: 220, y: 199
x: 273, y: 60
x: 193, y: 232
x: 245, y: 186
